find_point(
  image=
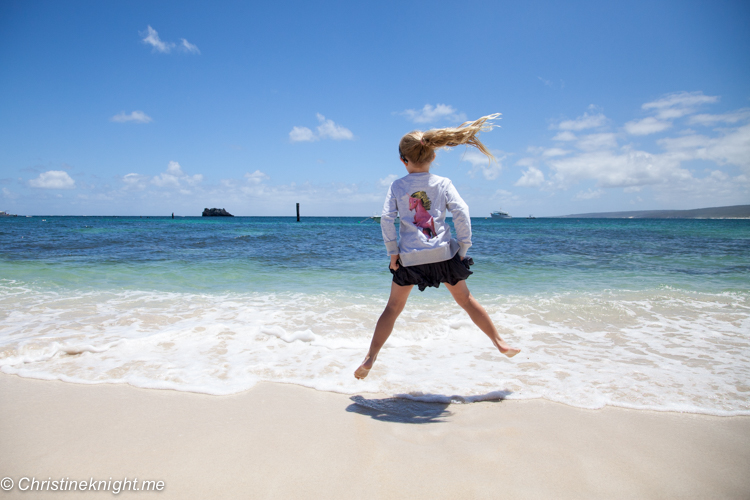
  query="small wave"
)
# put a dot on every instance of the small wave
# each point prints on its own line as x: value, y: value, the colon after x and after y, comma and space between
x: 664, y: 349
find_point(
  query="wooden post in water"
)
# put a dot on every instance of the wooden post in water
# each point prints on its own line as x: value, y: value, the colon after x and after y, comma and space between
x: 297, y: 212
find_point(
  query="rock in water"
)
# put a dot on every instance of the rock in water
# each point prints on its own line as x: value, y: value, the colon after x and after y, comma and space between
x: 216, y: 212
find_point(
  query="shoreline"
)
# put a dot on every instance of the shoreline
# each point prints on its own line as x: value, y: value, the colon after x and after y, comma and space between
x: 418, y: 398
x: 287, y: 441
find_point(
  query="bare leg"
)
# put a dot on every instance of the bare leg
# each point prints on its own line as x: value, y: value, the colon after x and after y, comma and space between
x: 480, y: 317
x: 383, y: 329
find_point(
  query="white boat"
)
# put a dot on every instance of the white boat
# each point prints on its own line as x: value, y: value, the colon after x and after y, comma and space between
x: 500, y: 215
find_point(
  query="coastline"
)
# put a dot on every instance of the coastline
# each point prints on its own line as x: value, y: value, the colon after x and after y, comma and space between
x: 287, y: 441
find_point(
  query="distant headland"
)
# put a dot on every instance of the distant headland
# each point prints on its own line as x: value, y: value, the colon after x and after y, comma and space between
x: 733, y: 212
x: 216, y: 212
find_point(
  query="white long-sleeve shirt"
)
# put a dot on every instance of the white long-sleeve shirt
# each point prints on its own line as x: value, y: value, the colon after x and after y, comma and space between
x: 424, y: 236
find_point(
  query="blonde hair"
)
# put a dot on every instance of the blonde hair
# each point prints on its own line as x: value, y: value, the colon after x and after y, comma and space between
x: 419, y: 147
x: 422, y: 196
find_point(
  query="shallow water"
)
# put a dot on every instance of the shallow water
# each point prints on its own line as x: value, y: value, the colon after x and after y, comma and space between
x: 636, y: 313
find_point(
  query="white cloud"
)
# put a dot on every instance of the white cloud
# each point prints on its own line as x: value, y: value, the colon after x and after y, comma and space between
x: 95, y: 197
x: 673, y: 106
x: 618, y: 169
x: 600, y: 157
x: 300, y: 134
x: 429, y: 114
x: 135, y: 181
x: 53, y: 179
x: 256, y: 177
x: 595, y: 142
x: 564, y: 136
x: 532, y: 177
x: 327, y: 129
x: 527, y: 162
x: 490, y: 170
x: 387, y: 181
x: 678, y: 104
x: 505, y: 197
x: 583, y: 122
x: 649, y: 125
x: 175, y: 177
x: 687, y: 144
x: 189, y: 47
x: 151, y: 37
x: 710, y: 190
x: 719, y: 175
x: 166, y: 180
x: 589, y: 195
x: 135, y: 116
x: 732, y: 147
x: 732, y: 117
x: 555, y: 152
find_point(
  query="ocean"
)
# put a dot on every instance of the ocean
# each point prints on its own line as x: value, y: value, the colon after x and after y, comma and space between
x: 638, y: 313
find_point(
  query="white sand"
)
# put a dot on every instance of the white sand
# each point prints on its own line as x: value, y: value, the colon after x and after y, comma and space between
x: 283, y: 441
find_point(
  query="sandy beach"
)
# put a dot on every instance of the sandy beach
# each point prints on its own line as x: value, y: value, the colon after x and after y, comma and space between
x: 200, y: 205
x: 285, y: 441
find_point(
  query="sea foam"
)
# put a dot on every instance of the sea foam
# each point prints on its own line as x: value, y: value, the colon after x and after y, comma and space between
x: 661, y: 349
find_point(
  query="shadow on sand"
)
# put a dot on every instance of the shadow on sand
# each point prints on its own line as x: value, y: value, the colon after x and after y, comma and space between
x: 421, y: 409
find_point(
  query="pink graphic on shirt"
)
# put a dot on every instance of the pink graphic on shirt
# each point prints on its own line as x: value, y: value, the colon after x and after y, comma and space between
x: 422, y: 219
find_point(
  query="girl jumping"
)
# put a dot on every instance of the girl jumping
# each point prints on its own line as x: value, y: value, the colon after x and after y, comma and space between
x: 425, y: 254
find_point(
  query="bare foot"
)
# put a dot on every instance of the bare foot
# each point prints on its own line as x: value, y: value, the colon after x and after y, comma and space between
x: 510, y: 351
x: 364, y: 368
x: 507, y: 350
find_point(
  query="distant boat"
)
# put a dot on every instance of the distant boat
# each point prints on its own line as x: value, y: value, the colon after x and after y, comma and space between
x: 3, y: 213
x: 531, y: 217
x: 500, y: 215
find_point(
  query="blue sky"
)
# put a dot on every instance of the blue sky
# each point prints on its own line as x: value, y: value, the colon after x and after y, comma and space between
x: 149, y: 108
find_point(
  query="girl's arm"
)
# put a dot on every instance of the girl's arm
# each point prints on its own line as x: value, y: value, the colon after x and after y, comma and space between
x: 387, y: 226
x: 461, y: 220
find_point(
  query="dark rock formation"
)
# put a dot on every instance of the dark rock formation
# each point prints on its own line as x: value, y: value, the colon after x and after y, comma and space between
x: 216, y: 212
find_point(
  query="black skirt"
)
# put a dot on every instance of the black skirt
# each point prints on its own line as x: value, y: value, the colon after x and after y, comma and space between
x: 449, y: 271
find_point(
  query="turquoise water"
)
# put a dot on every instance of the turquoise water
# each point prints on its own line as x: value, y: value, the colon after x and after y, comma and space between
x: 272, y: 254
x: 637, y: 312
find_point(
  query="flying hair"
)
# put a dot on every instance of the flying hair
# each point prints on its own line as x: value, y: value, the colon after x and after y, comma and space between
x: 419, y: 147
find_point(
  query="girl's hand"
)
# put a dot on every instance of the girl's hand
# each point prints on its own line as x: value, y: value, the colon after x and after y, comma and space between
x: 394, y: 262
